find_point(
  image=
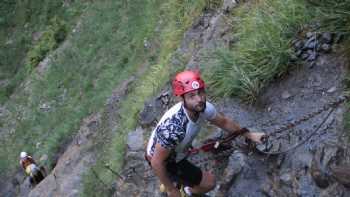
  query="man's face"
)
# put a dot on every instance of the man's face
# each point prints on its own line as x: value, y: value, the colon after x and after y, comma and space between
x: 195, y: 100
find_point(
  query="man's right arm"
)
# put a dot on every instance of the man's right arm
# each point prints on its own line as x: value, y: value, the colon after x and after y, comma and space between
x: 158, y: 164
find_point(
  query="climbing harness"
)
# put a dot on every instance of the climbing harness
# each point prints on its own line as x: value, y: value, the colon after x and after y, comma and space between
x: 218, y: 145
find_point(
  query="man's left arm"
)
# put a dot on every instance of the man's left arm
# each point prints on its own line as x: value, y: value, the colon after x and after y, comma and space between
x: 229, y: 125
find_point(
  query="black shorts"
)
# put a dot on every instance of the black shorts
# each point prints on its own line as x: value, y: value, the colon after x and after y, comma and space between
x: 184, y: 172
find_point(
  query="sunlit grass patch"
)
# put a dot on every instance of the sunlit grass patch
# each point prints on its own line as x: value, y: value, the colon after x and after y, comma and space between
x: 263, y: 30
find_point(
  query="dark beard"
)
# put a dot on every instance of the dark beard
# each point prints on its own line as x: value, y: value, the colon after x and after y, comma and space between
x: 194, y: 108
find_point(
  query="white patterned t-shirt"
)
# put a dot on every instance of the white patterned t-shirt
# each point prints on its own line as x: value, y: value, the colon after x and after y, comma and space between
x: 176, y: 131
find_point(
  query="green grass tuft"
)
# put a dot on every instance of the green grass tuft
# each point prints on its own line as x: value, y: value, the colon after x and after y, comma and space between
x: 264, y: 30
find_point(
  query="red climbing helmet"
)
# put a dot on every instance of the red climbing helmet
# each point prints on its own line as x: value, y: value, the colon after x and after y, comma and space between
x: 187, y: 81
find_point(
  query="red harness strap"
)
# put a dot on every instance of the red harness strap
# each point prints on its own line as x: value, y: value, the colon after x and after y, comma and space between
x: 214, y: 144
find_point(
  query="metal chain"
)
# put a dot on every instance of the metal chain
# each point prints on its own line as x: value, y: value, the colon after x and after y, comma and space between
x: 302, y: 141
x: 307, y: 117
x: 332, y: 105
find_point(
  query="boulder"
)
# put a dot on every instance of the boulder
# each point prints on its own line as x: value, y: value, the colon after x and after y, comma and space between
x: 326, y: 37
x: 326, y: 47
x: 135, y: 140
x: 236, y: 163
x: 153, y: 109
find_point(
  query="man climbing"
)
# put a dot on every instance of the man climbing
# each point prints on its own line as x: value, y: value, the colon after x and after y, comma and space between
x: 169, y: 143
x: 31, y: 168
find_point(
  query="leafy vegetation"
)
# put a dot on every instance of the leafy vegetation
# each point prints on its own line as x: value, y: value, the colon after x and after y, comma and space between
x: 264, y: 30
x: 49, y: 41
x: 20, y: 23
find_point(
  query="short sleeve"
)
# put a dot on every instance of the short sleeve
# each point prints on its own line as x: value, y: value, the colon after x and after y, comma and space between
x: 169, y: 136
x: 210, y: 111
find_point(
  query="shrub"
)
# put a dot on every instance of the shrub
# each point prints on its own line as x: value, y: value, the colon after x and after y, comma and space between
x: 49, y: 41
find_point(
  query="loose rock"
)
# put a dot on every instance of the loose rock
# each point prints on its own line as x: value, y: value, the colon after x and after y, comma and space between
x: 135, y: 140
x: 326, y: 48
x: 309, y: 34
x: 299, y: 53
x: 304, y: 56
x: 327, y: 37
x: 299, y: 44
x: 286, y: 178
x: 236, y: 163
x: 286, y: 95
x: 332, y: 89
x: 310, y: 45
x: 312, y: 56
x: 228, y: 5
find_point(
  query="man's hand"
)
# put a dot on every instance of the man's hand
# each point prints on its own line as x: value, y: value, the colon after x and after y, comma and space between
x: 255, y: 136
x: 173, y: 192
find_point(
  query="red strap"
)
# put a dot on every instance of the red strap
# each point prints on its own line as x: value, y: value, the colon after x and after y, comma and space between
x: 211, y: 145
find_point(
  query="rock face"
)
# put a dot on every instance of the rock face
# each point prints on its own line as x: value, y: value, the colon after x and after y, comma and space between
x: 237, y: 161
x: 137, y: 178
x: 66, y: 177
x: 153, y: 109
